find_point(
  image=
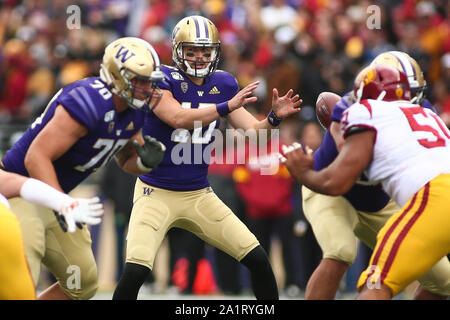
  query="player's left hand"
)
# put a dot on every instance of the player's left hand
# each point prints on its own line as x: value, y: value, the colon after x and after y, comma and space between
x: 77, y: 211
x: 286, y: 105
x: 297, y: 160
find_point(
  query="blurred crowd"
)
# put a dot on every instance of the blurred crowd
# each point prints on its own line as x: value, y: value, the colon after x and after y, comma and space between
x: 307, y: 45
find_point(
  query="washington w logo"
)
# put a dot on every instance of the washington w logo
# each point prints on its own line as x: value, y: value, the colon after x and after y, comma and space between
x: 147, y: 191
x: 122, y: 54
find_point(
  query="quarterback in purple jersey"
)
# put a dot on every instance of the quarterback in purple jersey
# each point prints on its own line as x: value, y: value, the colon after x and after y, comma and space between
x: 338, y: 222
x: 85, y: 124
x: 177, y: 193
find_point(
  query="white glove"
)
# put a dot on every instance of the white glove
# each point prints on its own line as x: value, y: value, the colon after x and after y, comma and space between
x: 82, y: 211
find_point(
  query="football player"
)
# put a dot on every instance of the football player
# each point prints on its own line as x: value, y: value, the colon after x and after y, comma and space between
x: 85, y: 125
x: 338, y: 222
x: 15, y: 278
x: 177, y: 193
x: 383, y: 139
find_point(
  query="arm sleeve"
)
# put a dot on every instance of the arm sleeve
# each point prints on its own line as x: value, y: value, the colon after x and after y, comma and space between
x: 326, y: 153
x: 37, y: 192
x: 427, y: 104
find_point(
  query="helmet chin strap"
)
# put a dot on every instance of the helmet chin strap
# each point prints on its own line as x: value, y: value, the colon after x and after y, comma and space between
x: 133, y: 102
x: 106, y: 77
x: 137, y: 103
x: 382, y: 95
x: 417, y: 98
x: 359, y: 92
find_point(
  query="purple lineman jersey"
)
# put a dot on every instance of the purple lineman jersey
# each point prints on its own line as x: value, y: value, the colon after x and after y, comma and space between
x: 186, y: 161
x: 363, y: 197
x: 90, y: 103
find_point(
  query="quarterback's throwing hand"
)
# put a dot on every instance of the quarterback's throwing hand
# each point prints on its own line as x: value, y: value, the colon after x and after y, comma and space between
x: 286, y: 105
x: 81, y: 211
x: 150, y: 154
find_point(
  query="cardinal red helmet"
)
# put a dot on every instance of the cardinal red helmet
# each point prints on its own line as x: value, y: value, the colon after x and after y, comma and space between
x: 381, y: 82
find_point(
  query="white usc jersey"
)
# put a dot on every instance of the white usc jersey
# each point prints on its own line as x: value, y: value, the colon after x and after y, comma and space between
x: 412, y: 144
x: 4, y: 201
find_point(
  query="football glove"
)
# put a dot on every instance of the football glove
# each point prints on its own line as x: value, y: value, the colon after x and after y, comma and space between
x: 347, y: 100
x: 76, y: 212
x: 150, y: 154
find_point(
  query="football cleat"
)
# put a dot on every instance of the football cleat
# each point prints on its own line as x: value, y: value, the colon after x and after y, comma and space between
x: 131, y: 69
x: 197, y: 32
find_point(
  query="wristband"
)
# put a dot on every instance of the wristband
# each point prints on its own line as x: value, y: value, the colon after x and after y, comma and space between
x: 273, y: 119
x: 222, y: 109
x: 142, y: 167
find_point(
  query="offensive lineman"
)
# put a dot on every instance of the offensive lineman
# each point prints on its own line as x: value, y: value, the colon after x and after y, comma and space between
x: 84, y: 126
x: 384, y: 139
x: 360, y: 213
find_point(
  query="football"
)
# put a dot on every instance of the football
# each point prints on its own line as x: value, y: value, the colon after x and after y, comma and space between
x: 324, y: 107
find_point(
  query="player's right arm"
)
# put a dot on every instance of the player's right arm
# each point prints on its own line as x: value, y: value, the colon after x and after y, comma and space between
x: 72, y: 209
x: 336, y: 133
x: 55, y: 139
x: 170, y: 111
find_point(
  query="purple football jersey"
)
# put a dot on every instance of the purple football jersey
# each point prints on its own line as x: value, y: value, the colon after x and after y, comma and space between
x: 363, y: 197
x: 90, y: 103
x: 186, y: 161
